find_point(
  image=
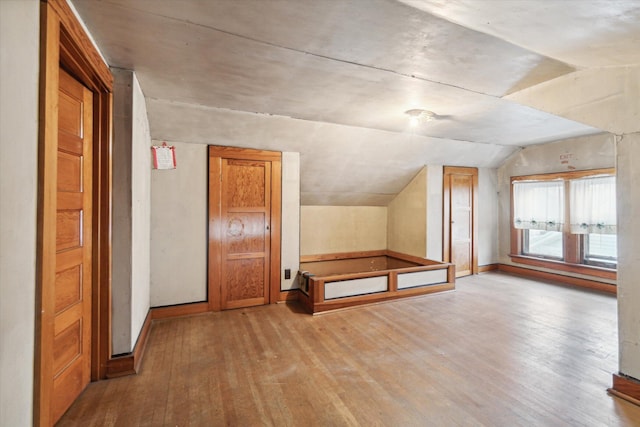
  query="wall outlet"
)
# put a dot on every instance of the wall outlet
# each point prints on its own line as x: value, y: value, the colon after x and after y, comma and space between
x: 287, y: 273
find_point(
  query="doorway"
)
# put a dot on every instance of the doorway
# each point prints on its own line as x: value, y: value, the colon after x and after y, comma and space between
x: 244, y: 227
x: 460, y: 220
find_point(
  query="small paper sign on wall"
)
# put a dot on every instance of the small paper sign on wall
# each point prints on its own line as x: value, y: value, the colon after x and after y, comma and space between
x: 164, y: 156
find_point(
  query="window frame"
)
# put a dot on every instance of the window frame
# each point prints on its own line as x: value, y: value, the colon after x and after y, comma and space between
x: 573, y: 244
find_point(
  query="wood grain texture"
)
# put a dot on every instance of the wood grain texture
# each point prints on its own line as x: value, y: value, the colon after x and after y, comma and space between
x: 589, y: 270
x: 341, y: 255
x: 47, y: 203
x: 130, y: 364
x: 102, y: 196
x: 564, y: 175
x: 488, y: 267
x: 567, y: 280
x: 500, y: 351
x: 180, y: 310
x: 626, y: 388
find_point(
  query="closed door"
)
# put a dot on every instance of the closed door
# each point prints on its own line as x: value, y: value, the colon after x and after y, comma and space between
x: 460, y: 229
x: 70, y: 354
x: 246, y: 235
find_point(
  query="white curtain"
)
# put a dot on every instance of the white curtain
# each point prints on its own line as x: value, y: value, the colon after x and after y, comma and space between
x: 538, y: 205
x: 593, y: 205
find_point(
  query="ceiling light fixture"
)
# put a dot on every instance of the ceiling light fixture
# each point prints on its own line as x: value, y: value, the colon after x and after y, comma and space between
x: 418, y: 115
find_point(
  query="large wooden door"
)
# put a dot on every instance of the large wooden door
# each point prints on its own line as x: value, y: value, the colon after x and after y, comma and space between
x: 71, y: 345
x: 460, y: 225
x: 243, y: 264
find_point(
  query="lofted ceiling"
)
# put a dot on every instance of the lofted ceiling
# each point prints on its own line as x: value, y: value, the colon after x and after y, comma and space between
x: 331, y: 79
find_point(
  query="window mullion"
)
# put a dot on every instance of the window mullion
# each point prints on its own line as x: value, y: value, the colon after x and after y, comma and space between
x: 571, y: 241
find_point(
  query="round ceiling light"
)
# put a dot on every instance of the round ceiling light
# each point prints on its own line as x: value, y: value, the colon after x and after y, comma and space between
x: 418, y: 115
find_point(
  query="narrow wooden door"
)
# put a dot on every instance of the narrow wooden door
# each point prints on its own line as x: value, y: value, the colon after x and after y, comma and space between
x: 460, y: 195
x: 71, y: 345
x: 245, y: 219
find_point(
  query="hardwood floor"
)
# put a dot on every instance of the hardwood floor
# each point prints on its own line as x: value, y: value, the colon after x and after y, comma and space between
x: 498, y: 351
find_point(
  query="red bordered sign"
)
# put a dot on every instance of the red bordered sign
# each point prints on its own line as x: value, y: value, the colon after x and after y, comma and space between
x: 164, y: 156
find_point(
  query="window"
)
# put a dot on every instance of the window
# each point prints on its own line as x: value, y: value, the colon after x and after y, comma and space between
x: 544, y: 244
x: 539, y: 212
x: 593, y: 215
x: 601, y: 250
x: 566, y: 219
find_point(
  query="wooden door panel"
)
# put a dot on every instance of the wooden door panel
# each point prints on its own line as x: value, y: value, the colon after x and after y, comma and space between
x: 68, y: 288
x: 244, y: 282
x: 71, y: 344
x: 245, y: 233
x: 71, y: 165
x: 67, y: 386
x: 247, y: 184
x: 70, y: 108
x: 460, y: 194
x: 68, y: 229
x: 461, y: 258
x: 68, y: 346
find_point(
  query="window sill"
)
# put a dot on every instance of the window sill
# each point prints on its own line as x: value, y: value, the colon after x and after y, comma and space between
x: 589, y: 270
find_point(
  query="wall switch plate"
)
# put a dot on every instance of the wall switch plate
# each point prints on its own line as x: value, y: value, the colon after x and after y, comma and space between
x: 287, y: 273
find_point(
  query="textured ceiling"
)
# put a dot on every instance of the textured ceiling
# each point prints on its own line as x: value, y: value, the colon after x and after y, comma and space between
x: 331, y: 79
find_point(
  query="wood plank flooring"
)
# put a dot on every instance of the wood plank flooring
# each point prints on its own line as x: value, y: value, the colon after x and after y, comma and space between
x: 498, y: 351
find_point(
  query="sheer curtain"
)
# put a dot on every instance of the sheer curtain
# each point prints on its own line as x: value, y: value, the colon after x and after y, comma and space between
x: 538, y: 205
x: 593, y: 205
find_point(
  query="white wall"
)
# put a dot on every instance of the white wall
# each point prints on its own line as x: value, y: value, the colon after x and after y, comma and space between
x: 131, y: 212
x: 590, y: 152
x: 407, y: 218
x: 628, y: 183
x: 121, y: 213
x: 435, y: 184
x: 290, y: 256
x: 19, y: 36
x: 179, y: 228
x: 487, y: 216
x: 141, y: 213
x: 605, y: 98
x: 331, y: 229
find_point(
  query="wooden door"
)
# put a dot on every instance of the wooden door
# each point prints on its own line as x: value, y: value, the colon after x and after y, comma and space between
x: 244, y: 206
x: 460, y: 225
x: 71, y: 345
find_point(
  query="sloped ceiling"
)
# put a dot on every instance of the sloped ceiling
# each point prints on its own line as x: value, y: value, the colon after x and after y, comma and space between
x: 331, y: 79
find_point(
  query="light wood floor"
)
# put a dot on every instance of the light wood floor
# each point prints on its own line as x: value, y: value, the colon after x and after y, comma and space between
x: 498, y: 351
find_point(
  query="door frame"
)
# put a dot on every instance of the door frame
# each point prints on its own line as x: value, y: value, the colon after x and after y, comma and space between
x: 63, y: 43
x: 446, y: 213
x: 214, y: 157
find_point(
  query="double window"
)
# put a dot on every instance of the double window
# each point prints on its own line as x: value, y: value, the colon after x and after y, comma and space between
x: 567, y: 218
